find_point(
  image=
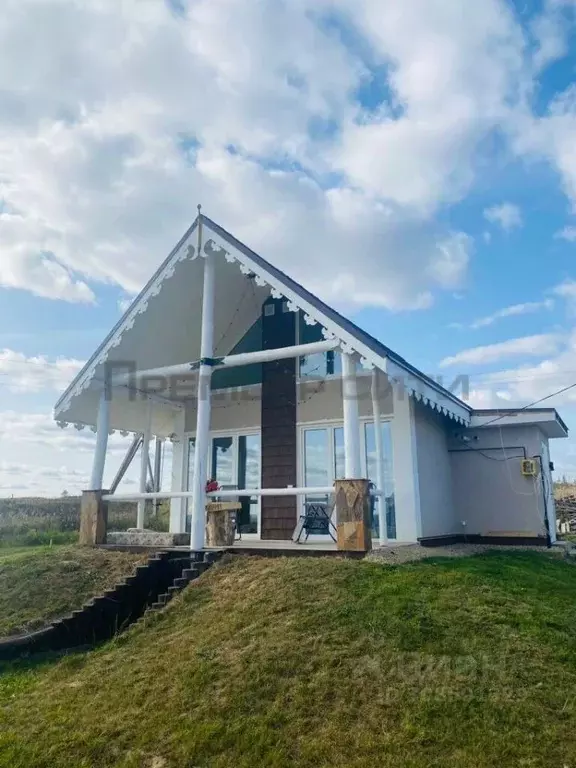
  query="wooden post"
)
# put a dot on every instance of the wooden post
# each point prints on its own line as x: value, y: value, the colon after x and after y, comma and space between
x: 353, y: 515
x: 93, y: 519
x: 220, y: 523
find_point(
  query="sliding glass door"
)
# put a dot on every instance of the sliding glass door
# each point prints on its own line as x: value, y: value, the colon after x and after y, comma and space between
x: 322, y: 462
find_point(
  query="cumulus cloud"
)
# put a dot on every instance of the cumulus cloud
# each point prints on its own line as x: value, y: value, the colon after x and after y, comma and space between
x: 20, y: 373
x: 551, y: 137
x: 452, y: 77
x: 506, y: 215
x: 130, y: 119
x: 539, y: 344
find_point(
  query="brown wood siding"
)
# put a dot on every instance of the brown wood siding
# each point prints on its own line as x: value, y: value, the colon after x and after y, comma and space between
x: 278, y: 425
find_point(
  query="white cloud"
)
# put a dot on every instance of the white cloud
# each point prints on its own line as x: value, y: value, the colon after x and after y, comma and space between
x: 526, y: 384
x: 529, y: 383
x: 540, y: 344
x: 567, y: 233
x: 26, y: 261
x: 106, y: 157
x: 452, y: 78
x: 506, y: 215
x: 32, y: 479
x: 39, y: 458
x: 552, y: 137
x: 449, y: 267
x: 512, y: 311
x: 33, y: 374
x: 567, y: 289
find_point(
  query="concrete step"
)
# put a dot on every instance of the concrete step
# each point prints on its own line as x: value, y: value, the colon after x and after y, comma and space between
x: 173, y: 591
x: 164, y: 598
x: 190, y: 573
x: 157, y: 606
x: 180, y: 582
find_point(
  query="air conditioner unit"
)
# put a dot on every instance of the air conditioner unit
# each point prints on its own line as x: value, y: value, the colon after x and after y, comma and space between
x: 529, y: 467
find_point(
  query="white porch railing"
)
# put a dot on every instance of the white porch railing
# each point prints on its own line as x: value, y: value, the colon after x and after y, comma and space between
x: 228, y: 493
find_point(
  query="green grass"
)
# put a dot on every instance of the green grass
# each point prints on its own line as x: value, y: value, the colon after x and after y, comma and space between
x: 41, y: 583
x: 320, y: 662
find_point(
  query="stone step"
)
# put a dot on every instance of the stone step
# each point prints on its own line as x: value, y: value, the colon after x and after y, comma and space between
x: 157, y: 606
x: 190, y: 573
x: 180, y: 582
x: 173, y: 591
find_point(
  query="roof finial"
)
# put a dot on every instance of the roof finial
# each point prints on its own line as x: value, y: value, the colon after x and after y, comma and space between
x: 199, y: 209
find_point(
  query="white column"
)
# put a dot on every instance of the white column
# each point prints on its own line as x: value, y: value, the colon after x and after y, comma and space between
x: 203, y: 407
x: 405, y: 461
x: 102, y: 427
x: 144, y: 460
x: 379, y: 458
x: 352, y: 466
x: 179, y: 475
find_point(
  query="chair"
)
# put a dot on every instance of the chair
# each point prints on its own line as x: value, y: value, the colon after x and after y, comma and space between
x: 317, y: 519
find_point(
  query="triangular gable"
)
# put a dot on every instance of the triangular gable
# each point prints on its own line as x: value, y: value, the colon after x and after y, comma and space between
x: 352, y: 338
x: 373, y: 353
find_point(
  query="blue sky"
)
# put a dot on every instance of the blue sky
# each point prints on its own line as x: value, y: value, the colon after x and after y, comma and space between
x: 413, y: 164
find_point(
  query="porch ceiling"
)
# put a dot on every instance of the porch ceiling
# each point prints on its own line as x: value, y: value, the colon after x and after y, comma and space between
x: 167, y: 332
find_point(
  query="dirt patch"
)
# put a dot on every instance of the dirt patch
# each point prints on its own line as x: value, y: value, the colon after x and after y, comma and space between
x: 410, y: 552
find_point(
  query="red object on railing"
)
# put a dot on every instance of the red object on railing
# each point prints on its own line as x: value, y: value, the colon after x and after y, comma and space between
x: 212, y: 485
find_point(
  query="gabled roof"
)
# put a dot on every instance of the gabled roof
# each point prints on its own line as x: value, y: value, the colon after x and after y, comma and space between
x: 372, y: 352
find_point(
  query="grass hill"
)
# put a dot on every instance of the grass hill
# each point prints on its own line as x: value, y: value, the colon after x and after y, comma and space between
x: 43, y: 583
x: 463, y: 663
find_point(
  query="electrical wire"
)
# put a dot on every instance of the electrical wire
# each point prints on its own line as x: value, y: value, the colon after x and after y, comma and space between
x: 530, y: 405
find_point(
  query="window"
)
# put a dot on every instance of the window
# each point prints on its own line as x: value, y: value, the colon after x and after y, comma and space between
x: 235, y: 464
x: 269, y: 309
x: 321, y: 364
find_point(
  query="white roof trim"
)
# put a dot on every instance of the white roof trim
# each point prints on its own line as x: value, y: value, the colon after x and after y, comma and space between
x: 184, y: 250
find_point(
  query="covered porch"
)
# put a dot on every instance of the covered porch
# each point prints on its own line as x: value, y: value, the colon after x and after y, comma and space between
x: 263, y: 388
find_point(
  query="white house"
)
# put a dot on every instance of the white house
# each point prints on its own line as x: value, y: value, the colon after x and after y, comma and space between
x: 264, y: 387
